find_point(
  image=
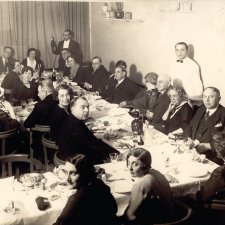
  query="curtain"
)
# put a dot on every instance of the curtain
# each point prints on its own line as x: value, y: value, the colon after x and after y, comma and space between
x: 32, y: 24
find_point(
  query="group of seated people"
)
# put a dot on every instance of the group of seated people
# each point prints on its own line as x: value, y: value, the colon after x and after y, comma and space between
x: 166, y: 103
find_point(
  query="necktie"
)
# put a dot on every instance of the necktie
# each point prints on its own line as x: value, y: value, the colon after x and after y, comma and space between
x: 179, y: 60
x: 206, y: 115
x: 148, y: 98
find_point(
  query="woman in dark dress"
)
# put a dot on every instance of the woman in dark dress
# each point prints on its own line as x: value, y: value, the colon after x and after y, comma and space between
x: 63, y: 94
x: 33, y: 60
x: 179, y: 113
x: 92, y: 204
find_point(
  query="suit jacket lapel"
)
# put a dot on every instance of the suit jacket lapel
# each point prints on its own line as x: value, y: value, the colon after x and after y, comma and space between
x: 197, y: 120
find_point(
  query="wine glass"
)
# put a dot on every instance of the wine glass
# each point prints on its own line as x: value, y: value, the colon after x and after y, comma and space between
x: 114, y: 157
x: 23, y: 104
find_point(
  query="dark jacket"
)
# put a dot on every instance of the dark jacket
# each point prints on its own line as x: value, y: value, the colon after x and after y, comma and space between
x: 3, y: 68
x: 145, y: 100
x: 180, y: 119
x: 13, y: 83
x: 39, y: 64
x: 92, y: 204
x: 74, y: 49
x: 98, y: 79
x: 63, y: 67
x: 41, y: 113
x: 76, y: 138
x: 125, y: 91
x: 218, y: 117
x: 26, y: 93
x: 57, y: 120
x: 159, y: 109
x: 80, y: 76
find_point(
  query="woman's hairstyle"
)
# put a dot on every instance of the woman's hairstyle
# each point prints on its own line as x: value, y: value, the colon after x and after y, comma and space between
x: 46, y: 85
x: 84, y: 167
x: 143, y: 155
x: 121, y: 63
x: 180, y: 91
x: 27, y: 68
x: 73, y: 57
x: 219, y: 137
x: 151, y: 78
x: 31, y: 50
x: 62, y: 87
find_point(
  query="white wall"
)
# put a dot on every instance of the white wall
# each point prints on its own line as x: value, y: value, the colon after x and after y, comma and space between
x: 149, y: 46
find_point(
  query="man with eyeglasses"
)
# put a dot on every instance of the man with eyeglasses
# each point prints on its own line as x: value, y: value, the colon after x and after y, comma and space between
x: 97, y: 76
x: 69, y: 43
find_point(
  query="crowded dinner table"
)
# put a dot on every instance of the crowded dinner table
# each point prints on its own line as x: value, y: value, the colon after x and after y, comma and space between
x: 111, y: 123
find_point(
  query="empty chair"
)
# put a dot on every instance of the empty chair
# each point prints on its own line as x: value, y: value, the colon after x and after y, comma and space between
x: 5, y: 135
x: 48, y: 145
x: 8, y: 161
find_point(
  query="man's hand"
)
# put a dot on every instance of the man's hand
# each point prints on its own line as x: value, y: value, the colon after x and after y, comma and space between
x: 123, y: 103
x: 190, y: 143
x: 149, y: 115
x: 87, y: 85
x: 203, y: 148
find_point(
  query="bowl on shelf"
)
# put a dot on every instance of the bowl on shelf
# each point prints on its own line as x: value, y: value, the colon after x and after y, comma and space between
x: 119, y: 14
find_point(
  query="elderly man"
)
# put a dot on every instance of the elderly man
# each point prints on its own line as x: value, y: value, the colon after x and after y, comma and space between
x: 97, y: 77
x: 76, y: 138
x: 69, y: 43
x: 208, y: 119
x: 6, y: 60
x: 162, y: 103
x: 62, y: 66
x: 120, y: 88
x: 147, y: 97
x: 185, y: 72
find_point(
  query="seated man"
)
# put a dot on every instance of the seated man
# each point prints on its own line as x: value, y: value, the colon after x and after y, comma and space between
x: 75, y: 138
x: 210, y: 189
x: 65, y: 53
x: 146, y: 98
x: 42, y: 110
x: 162, y: 103
x: 120, y: 88
x: 98, y: 76
x: 208, y: 119
x: 92, y: 204
x: 6, y: 59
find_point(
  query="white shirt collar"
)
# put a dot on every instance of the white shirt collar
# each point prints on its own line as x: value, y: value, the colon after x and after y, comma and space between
x: 119, y: 82
x: 211, y: 111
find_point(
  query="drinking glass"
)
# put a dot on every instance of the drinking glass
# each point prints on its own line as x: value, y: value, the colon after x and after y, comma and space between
x: 135, y: 139
x: 114, y: 157
x: 23, y: 104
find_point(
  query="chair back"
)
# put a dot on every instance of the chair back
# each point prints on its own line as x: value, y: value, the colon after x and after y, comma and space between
x: 48, y: 145
x: 7, y: 134
x: 187, y: 214
x: 13, y: 158
x: 37, y: 128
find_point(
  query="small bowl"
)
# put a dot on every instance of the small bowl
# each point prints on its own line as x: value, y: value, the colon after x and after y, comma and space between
x: 119, y: 15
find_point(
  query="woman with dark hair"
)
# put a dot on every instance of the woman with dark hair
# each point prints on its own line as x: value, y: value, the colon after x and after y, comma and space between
x: 92, y: 204
x: 33, y: 60
x: 178, y: 114
x: 29, y: 85
x: 151, y: 198
x: 77, y: 73
x: 63, y: 93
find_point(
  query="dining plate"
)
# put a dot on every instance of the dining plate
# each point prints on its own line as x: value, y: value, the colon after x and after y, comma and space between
x: 197, y: 172
x: 30, y: 179
x: 122, y: 186
x: 23, y: 113
x: 59, y: 186
x: 111, y: 135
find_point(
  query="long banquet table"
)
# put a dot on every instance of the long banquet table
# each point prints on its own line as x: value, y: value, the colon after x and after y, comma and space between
x: 107, y: 118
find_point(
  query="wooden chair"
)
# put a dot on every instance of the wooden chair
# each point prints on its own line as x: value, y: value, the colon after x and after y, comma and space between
x: 7, y: 134
x: 38, y: 128
x: 13, y: 158
x: 187, y: 214
x: 48, y: 145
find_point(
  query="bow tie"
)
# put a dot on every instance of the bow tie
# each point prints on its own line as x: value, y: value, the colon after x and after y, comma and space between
x: 180, y: 60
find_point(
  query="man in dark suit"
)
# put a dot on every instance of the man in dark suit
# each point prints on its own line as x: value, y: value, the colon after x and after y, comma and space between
x: 62, y: 66
x: 208, y: 119
x: 120, y: 88
x: 42, y: 110
x: 162, y: 103
x: 69, y: 43
x: 97, y: 76
x: 76, y: 138
x: 6, y: 60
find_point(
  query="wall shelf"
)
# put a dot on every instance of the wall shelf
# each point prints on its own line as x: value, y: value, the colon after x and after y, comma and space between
x: 125, y: 20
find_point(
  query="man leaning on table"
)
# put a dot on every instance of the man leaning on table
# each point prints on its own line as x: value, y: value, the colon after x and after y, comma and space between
x: 186, y: 72
x: 75, y: 138
x: 208, y: 119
